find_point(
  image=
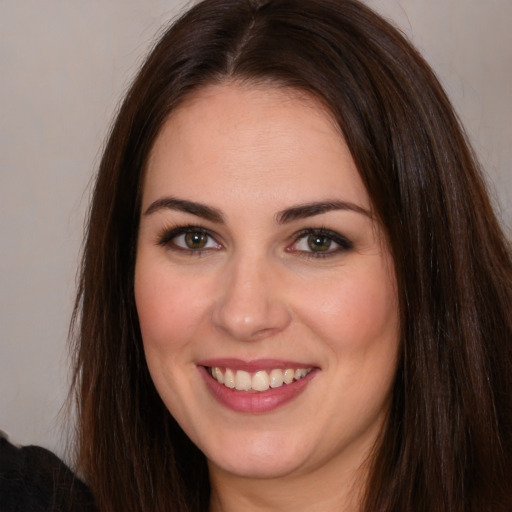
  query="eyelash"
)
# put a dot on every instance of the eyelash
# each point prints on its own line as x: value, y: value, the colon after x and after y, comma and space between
x: 168, y: 235
x: 343, y: 243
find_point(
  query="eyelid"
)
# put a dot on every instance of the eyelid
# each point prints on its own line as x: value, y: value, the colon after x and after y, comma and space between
x: 167, y: 234
x: 343, y: 243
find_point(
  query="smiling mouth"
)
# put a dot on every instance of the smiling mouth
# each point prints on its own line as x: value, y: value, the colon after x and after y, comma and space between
x: 258, y: 381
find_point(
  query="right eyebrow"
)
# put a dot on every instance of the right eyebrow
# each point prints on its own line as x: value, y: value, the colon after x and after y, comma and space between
x: 182, y: 205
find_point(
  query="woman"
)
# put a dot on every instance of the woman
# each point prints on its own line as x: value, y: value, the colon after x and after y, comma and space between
x: 294, y: 291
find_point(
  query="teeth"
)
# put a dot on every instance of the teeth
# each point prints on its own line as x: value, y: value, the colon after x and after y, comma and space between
x: 259, y: 381
x: 242, y: 381
x: 229, y: 378
x: 288, y: 376
x: 301, y: 372
x: 218, y: 375
x: 276, y: 378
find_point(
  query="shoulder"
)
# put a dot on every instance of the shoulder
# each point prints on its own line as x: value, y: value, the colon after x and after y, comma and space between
x: 33, y: 478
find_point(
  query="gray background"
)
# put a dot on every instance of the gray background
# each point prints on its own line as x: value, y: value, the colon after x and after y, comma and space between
x: 64, y: 66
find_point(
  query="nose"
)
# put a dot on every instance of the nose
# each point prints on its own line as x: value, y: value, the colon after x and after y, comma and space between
x: 250, y: 305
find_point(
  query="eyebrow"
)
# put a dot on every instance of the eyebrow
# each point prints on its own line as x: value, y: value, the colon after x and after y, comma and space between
x: 303, y: 211
x: 182, y: 205
x: 286, y: 216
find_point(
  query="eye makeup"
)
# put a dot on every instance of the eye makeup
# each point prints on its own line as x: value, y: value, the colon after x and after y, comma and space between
x: 308, y: 243
x: 319, y: 243
x: 190, y: 239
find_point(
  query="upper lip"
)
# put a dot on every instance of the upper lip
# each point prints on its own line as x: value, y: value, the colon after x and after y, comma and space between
x: 252, y: 365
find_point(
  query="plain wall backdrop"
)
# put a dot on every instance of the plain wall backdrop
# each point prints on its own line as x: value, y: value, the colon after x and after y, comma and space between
x: 64, y: 67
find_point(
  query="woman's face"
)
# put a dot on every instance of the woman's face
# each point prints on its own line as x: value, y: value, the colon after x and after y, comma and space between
x: 264, y: 287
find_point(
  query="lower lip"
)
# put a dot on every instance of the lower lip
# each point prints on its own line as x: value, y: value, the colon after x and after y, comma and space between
x: 255, y: 402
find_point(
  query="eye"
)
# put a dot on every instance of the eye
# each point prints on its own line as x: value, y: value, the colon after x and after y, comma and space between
x: 316, y: 243
x: 189, y: 238
x: 320, y: 243
x: 192, y: 240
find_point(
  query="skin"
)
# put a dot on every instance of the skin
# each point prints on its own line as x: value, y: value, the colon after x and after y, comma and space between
x: 258, y: 290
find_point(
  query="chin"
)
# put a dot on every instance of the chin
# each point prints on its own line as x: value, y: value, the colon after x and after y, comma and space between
x: 261, y: 469
x: 260, y: 458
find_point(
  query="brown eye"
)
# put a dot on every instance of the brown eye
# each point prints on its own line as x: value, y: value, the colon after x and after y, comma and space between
x: 319, y: 243
x: 195, y: 240
x: 190, y: 239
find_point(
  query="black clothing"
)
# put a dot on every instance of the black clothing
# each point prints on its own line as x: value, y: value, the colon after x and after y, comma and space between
x: 33, y: 479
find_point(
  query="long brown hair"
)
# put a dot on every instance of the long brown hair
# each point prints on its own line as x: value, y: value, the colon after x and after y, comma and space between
x: 447, y: 444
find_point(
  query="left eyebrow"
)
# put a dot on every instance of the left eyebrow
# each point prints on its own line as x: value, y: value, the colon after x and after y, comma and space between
x: 303, y: 211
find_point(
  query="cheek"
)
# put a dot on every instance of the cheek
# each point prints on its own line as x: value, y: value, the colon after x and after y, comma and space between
x: 169, y: 306
x: 353, y: 312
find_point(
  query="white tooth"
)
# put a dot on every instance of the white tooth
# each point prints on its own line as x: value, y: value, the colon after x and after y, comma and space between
x: 300, y: 373
x: 288, y: 376
x: 229, y: 378
x: 243, y: 381
x: 260, y: 381
x: 217, y: 374
x: 276, y: 378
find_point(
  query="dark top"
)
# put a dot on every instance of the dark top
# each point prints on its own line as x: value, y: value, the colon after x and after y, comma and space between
x: 33, y: 479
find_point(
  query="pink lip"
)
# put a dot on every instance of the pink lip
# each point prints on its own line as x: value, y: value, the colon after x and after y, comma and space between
x: 250, y: 401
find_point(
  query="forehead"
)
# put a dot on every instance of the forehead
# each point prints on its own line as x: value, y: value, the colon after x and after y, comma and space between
x: 260, y: 141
